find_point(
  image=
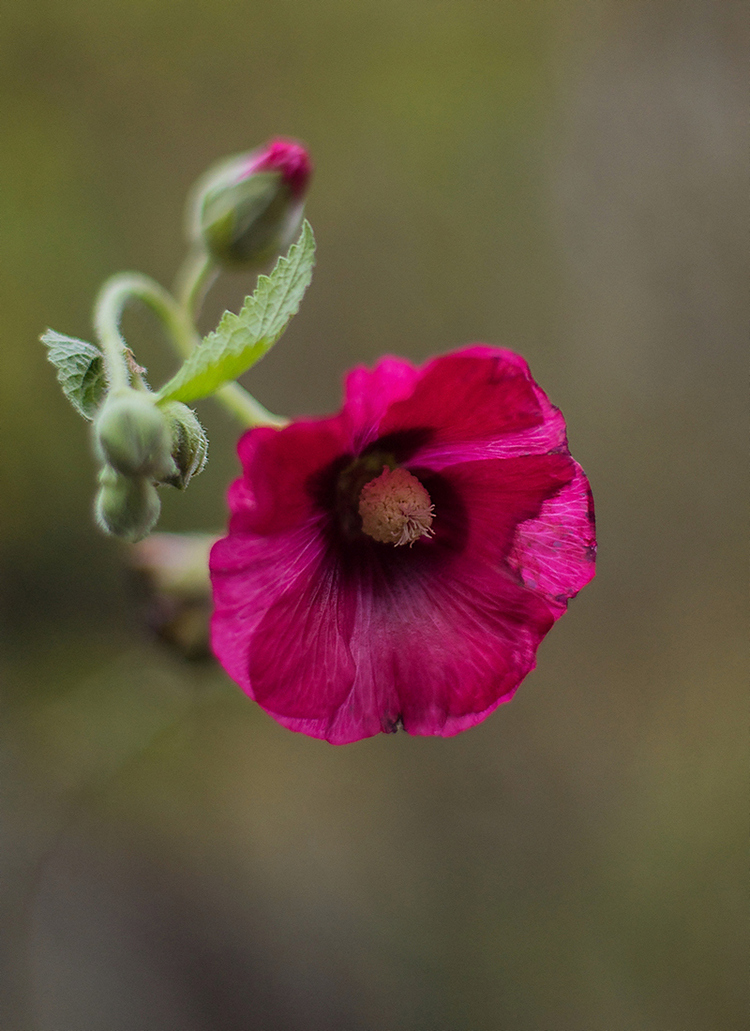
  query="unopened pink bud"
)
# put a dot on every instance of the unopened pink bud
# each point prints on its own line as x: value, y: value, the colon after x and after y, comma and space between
x: 247, y: 209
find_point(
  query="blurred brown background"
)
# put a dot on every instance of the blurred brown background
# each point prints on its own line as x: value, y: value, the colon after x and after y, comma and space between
x: 563, y: 177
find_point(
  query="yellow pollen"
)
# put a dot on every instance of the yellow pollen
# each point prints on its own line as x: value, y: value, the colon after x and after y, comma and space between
x: 395, y: 508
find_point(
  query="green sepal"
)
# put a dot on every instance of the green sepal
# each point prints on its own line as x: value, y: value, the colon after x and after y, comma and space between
x: 241, y: 340
x: 189, y: 443
x: 242, y: 224
x: 80, y: 371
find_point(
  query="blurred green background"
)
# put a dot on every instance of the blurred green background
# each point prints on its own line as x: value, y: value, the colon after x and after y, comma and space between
x: 565, y: 178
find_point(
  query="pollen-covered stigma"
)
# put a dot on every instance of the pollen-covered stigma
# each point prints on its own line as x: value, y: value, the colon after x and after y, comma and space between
x: 395, y: 508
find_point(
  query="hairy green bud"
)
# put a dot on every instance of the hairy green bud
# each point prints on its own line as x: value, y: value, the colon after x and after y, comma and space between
x: 132, y: 435
x: 189, y: 443
x: 126, y: 506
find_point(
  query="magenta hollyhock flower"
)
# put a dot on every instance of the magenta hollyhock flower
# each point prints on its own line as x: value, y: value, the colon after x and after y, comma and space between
x: 399, y: 563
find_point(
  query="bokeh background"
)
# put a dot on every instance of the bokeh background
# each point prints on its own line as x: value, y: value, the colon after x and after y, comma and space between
x: 563, y: 177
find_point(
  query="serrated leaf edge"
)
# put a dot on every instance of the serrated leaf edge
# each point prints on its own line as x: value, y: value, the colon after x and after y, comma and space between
x: 177, y: 388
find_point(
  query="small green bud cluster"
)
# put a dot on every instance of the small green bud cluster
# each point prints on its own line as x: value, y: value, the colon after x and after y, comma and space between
x: 142, y: 444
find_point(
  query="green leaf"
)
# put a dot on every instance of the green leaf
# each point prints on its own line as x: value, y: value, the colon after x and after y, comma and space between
x: 80, y: 370
x: 241, y: 340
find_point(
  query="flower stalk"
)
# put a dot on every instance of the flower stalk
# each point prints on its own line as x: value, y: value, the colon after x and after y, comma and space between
x: 194, y: 279
x: 242, y: 213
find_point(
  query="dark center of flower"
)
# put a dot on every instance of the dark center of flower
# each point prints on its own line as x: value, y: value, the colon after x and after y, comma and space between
x: 395, y: 508
x: 376, y: 498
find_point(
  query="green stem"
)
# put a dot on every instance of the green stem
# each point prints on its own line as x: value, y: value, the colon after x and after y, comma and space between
x: 110, y: 304
x: 244, y: 406
x: 177, y: 322
x: 107, y: 327
x: 194, y: 280
x: 192, y: 283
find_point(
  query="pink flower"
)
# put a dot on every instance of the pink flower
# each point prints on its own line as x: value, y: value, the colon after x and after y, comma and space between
x: 400, y: 562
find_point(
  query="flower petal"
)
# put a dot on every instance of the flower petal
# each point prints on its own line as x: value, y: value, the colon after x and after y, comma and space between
x: 248, y: 572
x: 497, y: 495
x: 479, y: 403
x: 555, y: 552
x: 299, y: 663
x: 436, y: 656
x: 471, y: 640
x: 367, y: 701
x: 472, y: 635
x: 369, y: 392
x: 275, y: 493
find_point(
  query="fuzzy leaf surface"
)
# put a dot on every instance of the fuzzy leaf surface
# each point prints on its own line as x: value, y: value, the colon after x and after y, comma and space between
x: 80, y: 370
x: 239, y: 341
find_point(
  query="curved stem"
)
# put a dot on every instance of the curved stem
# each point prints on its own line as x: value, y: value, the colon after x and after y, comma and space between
x: 177, y: 322
x: 110, y: 304
x: 107, y: 314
